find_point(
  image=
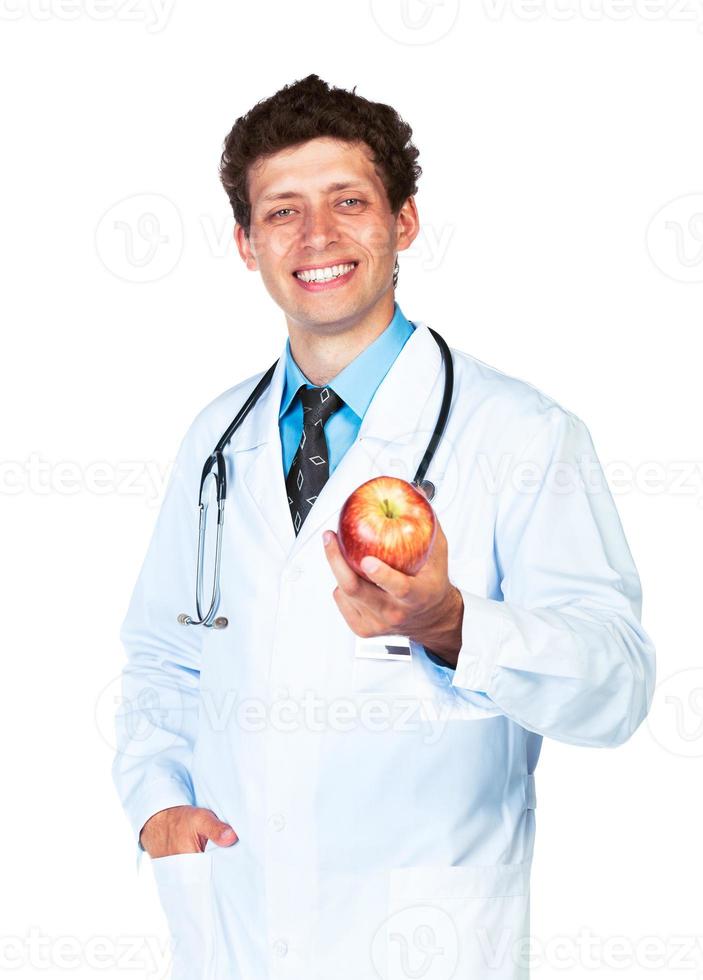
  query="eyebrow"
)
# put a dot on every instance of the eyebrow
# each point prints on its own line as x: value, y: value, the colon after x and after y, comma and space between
x: 339, y: 185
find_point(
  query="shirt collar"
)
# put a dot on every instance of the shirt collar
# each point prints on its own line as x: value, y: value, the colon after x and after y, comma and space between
x: 358, y: 381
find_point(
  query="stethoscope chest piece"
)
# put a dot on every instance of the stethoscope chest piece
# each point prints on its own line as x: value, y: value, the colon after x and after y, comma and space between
x: 427, y: 487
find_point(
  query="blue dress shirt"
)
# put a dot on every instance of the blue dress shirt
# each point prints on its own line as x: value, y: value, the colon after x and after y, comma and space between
x: 356, y: 384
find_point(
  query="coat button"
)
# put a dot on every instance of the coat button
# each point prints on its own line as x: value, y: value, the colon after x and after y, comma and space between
x: 277, y: 821
x: 294, y: 573
x: 280, y: 947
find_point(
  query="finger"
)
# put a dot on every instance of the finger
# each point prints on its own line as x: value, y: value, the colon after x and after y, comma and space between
x: 395, y: 583
x: 347, y: 579
x: 215, y: 830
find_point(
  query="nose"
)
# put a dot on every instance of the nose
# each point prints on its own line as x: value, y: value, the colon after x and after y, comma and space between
x: 319, y: 228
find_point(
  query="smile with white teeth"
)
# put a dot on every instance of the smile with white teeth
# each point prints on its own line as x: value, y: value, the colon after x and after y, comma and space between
x: 322, y: 275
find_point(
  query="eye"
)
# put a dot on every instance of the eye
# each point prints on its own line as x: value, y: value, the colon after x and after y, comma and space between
x: 354, y: 200
x: 280, y: 211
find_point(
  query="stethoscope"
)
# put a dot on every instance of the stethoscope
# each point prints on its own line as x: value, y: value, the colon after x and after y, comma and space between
x: 215, y: 466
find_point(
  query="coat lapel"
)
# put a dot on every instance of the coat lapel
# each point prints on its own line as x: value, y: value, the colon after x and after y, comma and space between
x: 391, y: 440
x: 259, y: 454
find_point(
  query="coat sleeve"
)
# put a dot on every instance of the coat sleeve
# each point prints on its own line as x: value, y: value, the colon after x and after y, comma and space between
x: 156, y: 720
x: 563, y: 653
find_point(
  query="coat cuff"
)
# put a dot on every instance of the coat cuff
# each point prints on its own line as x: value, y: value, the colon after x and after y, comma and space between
x: 481, y: 632
x: 157, y: 795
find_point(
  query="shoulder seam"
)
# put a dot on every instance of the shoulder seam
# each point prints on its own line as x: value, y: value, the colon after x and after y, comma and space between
x: 543, y: 395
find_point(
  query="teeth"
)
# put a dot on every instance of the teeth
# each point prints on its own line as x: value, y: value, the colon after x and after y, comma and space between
x: 323, y: 275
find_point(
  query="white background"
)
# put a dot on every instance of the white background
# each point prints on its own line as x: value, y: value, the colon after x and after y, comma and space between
x: 553, y: 137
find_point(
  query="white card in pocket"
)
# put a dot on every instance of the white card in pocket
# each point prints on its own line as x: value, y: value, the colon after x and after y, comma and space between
x: 390, y: 647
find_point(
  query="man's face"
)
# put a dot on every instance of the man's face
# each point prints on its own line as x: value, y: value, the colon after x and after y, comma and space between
x: 314, y: 207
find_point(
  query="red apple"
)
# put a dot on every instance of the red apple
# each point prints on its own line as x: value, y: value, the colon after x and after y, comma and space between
x: 391, y: 519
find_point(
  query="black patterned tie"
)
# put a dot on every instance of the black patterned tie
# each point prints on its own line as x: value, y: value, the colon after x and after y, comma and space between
x: 310, y: 468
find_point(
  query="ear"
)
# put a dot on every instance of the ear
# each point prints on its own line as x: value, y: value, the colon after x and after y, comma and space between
x: 407, y: 225
x: 241, y: 240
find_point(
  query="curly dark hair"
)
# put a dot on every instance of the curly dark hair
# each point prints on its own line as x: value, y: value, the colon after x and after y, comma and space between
x: 308, y: 109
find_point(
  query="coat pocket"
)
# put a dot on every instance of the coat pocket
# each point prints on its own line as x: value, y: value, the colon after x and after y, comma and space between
x: 184, y: 885
x: 383, y: 676
x: 468, y: 920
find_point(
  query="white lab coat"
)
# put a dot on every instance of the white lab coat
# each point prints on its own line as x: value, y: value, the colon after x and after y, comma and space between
x: 385, y: 809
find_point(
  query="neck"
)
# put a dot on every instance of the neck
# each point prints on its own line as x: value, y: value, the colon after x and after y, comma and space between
x: 321, y: 351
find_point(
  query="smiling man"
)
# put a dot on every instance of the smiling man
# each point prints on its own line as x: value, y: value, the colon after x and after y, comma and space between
x: 340, y: 783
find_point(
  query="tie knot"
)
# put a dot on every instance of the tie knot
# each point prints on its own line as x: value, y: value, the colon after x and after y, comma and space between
x: 319, y: 404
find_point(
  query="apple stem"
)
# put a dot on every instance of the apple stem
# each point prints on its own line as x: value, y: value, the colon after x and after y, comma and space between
x: 387, y: 508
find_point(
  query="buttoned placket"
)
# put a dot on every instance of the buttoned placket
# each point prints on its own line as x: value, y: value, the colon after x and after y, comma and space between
x: 291, y: 774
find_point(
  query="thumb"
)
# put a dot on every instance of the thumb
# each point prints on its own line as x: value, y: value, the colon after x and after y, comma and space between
x: 216, y: 830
